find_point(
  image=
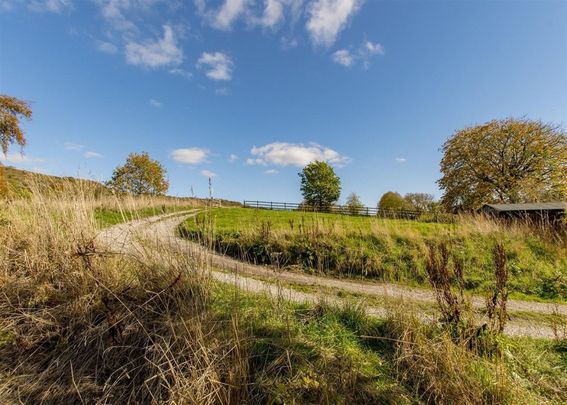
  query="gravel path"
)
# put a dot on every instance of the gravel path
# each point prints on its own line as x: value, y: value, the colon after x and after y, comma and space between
x: 161, y: 230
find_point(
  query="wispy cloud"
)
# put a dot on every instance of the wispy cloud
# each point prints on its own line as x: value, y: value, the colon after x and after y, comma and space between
x: 224, y: 16
x: 363, y: 55
x: 106, y: 47
x: 155, y: 53
x: 155, y: 103
x: 73, y: 146
x: 113, y: 13
x: 343, y: 57
x: 92, y: 155
x: 52, y: 6
x: 218, y: 65
x: 401, y: 160
x: 263, y: 13
x: 271, y: 172
x: 272, y: 14
x: 20, y: 158
x: 327, y: 18
x: 181, y: 72
x: 208, y: 173
x: 190, y: 156
x: 286, y: 154
x: 233, y: 158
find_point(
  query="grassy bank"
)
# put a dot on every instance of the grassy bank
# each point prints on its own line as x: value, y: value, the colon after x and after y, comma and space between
x: 386, y: 249
x: 78, y: 325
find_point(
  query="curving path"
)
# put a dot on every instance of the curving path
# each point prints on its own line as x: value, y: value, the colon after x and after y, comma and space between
x: 124, y: 238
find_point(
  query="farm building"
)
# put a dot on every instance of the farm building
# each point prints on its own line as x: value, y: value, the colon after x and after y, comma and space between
x: 548, y: 211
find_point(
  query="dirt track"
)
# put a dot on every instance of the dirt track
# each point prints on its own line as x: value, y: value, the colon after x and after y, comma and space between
x: 249, y: 277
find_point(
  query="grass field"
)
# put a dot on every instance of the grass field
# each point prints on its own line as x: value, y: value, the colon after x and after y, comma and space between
x: 79, y: 325
x: 387, y: 249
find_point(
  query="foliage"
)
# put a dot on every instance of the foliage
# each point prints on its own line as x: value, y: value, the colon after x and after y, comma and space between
x: 421, y: 201
x: 504, y: 161
x: 11, y: 110
x: 393, y: 201
x: 353, y: 204
x: 320, y: 186
x: 139, y: 175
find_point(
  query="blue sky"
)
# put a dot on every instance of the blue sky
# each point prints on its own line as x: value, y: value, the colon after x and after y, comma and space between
x: 248, y: 91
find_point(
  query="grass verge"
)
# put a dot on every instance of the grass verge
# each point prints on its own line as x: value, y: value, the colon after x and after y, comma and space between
x: 386, y: 249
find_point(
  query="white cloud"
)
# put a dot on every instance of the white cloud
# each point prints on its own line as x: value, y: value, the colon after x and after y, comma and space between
x: 155, y: 103
x: 271, y: 172
x: 155, y: 54
x: 365, y: 51
x: 190, y: 156
x: 112, y: 11
x: 106, y: 47
x: 273, y: 13
x: 233, y: 158
x: 181, y: 72
x: 223, y: 17
x: 93, y: 155
x: 285, y: 154
x: 19, y: 158
x: 343, y: 57
x: 208, y: 173
x: 219, y: 65
x: 401, y: 160
x: 368, y: 50
x: 327, y: 18
x: 53, y: 6
x: 73, y: 146
x: 263, y: 13
x: 374, y: 48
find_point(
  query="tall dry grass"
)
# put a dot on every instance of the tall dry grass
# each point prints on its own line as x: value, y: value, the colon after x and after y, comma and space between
x: 81, y: 325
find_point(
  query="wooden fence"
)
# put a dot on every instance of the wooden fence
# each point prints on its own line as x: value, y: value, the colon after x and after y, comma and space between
x: 337, y: 209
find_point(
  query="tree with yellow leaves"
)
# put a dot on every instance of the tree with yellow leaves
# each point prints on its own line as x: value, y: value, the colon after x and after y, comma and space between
x: 504, y: 161
x: 11, y: 110
x: 139, y: 175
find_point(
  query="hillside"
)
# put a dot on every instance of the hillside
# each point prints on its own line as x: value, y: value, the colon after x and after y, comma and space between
x: 22, y: 182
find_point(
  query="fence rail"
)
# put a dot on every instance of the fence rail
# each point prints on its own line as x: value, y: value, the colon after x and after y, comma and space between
x: 337, y: 209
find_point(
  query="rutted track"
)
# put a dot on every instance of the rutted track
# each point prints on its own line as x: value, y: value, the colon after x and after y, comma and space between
x: 160, y: 230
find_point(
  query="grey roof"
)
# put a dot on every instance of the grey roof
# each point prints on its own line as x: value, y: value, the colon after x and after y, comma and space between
x: 546, y: 206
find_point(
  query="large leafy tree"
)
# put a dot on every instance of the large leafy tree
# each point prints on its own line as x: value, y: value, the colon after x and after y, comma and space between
x: 420, y: 201
x: 320, y: 186
x: 504, y: 161
x: 11, y: 111
x: 139, y: 175
x: 393, y: 201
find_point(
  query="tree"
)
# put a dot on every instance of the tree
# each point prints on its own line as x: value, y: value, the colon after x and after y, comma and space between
x: 139, y: 175
x: 320, y: 186
x: 11, y: 110
x: 354, y: 205
x: 393, y: 201
x: 504, y: 161
x: 420, y: 201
